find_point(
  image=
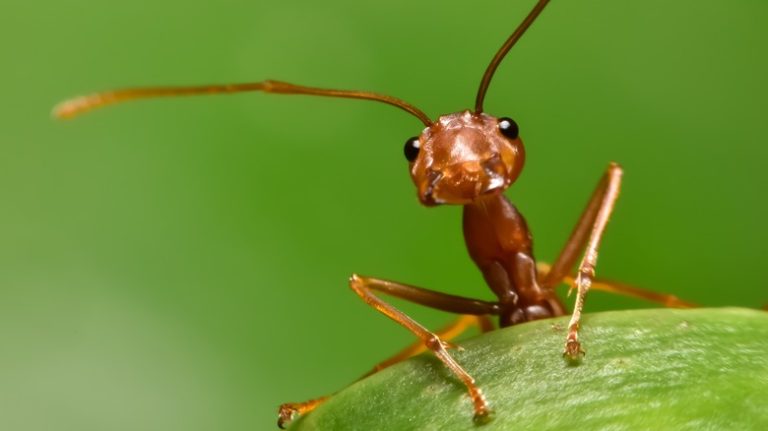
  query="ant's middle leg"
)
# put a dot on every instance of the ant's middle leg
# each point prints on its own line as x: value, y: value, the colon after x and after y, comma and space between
x: 624, y: 289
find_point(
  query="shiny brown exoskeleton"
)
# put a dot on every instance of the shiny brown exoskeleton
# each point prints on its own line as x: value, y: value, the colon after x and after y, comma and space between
x: 466, y: 158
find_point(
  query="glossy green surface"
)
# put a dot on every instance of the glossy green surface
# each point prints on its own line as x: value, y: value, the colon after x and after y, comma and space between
x: 182, y: 264
x: 704, y: 369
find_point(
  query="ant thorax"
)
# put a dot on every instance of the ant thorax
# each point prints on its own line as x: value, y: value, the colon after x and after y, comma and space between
x: 463, y: 156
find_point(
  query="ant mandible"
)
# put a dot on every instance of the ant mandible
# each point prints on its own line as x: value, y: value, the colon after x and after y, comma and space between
x: 466, y: 158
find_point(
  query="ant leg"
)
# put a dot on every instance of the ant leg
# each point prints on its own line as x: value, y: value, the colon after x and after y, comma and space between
x: 288, y: 411
x: 430, y: 298
x: 624, y: 289
x: 364, y: 287
x: 586, y: 271
x: 453, y: 330
x: 475, y: 313
x: 586, y: 235
x: 618, y: 288
x: 578, y: 239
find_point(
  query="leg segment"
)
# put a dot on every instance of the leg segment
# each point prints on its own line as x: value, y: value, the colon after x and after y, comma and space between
x: 364, y: 288
x: 449, y: 332
x: 664, y: 299
x: 431, y: 298
x: 475, y: 314
x: 578, y: 239
x: 624, y: 289
x: 289, y: 411
x: 587, y: 234
x: 587, y: 266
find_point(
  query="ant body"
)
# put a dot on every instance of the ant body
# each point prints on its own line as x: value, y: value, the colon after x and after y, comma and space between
x: 466, y: 158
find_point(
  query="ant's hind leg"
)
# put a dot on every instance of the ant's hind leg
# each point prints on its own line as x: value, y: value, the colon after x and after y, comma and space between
x: 475, y: 313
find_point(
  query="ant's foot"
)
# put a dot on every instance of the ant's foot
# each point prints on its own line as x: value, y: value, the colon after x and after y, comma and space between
x: 289, y: 411
x: 482, y: 411
x: 286, y: 414
x: 483, y: 417
x: 573, y: 351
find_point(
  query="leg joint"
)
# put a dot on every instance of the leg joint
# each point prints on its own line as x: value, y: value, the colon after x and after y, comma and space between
x: 357, y: 283
x: 434, y: 343
x: 615, y: 169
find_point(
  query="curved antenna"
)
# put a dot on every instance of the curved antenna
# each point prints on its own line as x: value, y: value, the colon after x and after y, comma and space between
x: 72, y: 107
x: 519, y: 31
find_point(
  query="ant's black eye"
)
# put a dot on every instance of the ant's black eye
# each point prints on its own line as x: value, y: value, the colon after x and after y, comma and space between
x: 411, y: 149
x: 508, y: 128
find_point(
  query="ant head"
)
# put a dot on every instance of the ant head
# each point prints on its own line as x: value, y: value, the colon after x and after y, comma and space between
x: 466, y: 155
x: 463, y: 156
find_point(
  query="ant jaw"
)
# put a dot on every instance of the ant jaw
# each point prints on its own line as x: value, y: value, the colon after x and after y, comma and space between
x: 464, y: 183
x: 429, y: 200
x: 460, y: 188
x: 427, y: 195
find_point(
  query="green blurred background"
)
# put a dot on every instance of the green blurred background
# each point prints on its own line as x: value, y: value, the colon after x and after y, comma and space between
x: 182, y: 264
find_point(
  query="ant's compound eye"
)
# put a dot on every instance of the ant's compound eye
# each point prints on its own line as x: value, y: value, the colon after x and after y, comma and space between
x: 508, y: 128
x: 411, y: 149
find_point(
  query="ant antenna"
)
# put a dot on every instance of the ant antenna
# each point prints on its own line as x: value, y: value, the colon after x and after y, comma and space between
x: 79, y: 105
x: 519, y: 31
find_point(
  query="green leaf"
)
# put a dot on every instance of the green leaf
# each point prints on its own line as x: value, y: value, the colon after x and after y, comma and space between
x: 666, y: 369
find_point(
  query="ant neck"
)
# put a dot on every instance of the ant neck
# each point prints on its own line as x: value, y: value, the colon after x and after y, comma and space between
x: 489, y: 202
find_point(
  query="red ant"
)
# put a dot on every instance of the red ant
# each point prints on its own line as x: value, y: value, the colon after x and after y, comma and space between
x: 466, y: 158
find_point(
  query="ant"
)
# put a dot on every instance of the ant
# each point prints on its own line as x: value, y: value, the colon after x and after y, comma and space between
x: 466, y: 158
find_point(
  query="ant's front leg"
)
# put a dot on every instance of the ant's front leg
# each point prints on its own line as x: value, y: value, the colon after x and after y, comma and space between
x: 449, y: 332
x: 475, y: 313
x: 364, y: 287
x: 586, y: 235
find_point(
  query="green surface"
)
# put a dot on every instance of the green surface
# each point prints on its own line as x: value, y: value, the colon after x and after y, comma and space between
x: 704, y: 369
x: 182, y: 264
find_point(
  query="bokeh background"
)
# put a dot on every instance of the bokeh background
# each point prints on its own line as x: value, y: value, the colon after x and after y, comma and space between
x: 182, y: 264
